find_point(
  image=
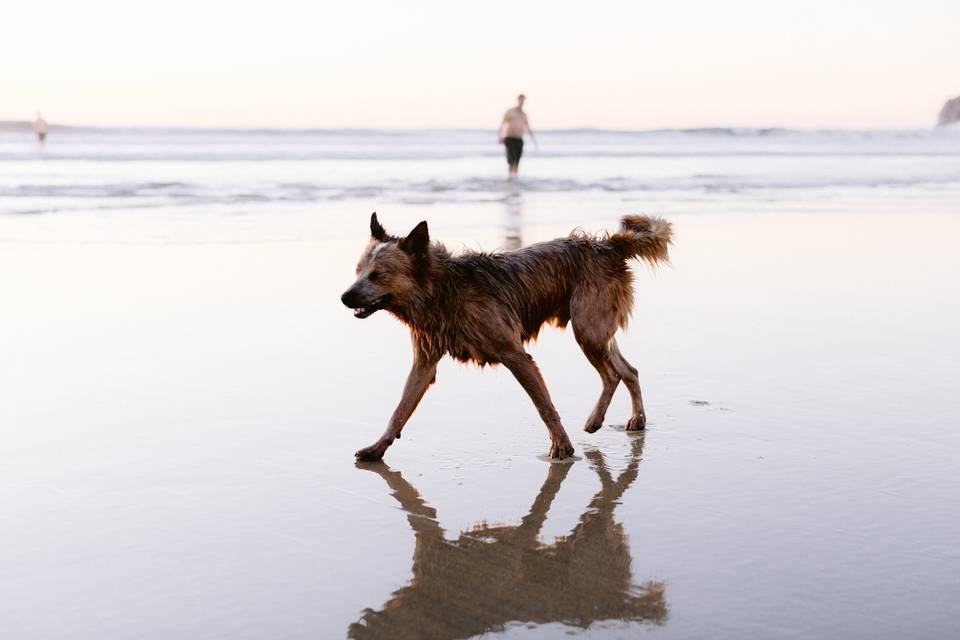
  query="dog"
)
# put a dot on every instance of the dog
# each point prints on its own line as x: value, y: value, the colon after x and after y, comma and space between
x: 483, y: 307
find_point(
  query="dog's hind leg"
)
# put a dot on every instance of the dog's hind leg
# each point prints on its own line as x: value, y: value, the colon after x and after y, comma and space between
x: 629, y: 375
x: 599, y: 356
x: 525, y: 370
x: 594, y: 331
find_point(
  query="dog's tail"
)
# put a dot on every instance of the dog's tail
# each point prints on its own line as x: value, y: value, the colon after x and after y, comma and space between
x: 644, y: 237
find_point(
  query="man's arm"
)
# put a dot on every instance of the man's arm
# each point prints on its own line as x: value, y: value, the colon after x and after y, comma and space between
x: 526, y: 125
x: 503, y: 126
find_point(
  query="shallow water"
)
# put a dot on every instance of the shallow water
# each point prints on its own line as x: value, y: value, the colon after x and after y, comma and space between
x: 160, y: 171
x: 183, y: 393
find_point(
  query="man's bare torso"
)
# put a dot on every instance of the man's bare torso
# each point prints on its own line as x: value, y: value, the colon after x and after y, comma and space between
x: 516, y: 121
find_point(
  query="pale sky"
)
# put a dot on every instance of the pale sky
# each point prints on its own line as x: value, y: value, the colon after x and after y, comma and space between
x: 602, y: 63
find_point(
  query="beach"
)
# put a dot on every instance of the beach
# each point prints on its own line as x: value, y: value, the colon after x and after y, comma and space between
x: 183, y: 392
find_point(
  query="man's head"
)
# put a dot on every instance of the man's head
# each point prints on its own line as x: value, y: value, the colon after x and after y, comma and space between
x: 389, y: 271
x: 520, y: 100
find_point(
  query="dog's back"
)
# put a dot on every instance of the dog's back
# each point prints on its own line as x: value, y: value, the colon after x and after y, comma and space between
x: 549, y: 282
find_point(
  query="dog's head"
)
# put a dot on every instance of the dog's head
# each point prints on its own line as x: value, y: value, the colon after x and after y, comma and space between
x: 389, y: 271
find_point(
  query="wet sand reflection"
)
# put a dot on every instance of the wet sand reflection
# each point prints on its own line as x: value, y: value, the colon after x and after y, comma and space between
x: 492, y: 575
x: 513, y: 203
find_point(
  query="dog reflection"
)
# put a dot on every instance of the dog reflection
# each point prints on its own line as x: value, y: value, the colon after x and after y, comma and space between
x: 496, y: 574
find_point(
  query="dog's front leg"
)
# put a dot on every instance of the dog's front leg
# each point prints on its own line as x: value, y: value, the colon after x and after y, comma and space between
x: 422, y: 375
x: 525, y: 370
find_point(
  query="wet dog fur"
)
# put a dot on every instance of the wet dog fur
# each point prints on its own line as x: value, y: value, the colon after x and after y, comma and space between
x: 482, y: 308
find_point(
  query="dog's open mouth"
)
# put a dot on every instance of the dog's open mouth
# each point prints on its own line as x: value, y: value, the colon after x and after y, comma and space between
x: 373, y: 307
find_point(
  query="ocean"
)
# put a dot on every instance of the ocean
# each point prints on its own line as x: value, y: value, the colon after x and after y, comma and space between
x: 249, y: 171
x: 183, y: 391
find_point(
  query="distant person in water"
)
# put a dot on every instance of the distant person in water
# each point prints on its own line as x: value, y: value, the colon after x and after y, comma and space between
x: 514, y: 125
x: 40, y: 127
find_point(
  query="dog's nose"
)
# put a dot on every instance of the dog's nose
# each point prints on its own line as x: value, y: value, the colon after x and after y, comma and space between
x: 345, y: 298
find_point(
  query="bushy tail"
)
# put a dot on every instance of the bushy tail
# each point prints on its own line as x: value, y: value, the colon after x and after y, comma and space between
x: 643, y: 237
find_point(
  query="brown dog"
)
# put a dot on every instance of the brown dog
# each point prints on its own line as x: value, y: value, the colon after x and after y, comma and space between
x: 483, y: 307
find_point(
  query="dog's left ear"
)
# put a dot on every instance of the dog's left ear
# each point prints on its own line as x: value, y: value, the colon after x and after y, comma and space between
x: 417, y: 241
x: 376, y: 229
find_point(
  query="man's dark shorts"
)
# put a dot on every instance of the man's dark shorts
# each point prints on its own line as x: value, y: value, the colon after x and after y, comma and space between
x: 514, y: 149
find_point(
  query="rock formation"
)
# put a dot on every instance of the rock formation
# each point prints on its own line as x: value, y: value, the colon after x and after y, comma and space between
x: 950, y: 112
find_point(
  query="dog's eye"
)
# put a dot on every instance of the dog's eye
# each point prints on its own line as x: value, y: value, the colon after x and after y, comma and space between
x: 373, y: 276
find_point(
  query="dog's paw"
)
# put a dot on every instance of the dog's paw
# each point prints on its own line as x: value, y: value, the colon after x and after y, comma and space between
x: 637, y: 423
x: 560, y: 450
x: 593, y: 427
x: 372, y: 453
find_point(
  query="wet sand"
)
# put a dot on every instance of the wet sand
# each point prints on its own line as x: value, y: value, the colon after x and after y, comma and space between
x: 182, y: 399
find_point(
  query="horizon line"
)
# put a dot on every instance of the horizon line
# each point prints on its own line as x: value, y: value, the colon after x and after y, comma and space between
x: 6, y: 124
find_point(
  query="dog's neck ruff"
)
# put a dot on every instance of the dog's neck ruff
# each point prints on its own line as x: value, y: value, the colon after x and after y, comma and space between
x: 424, y: 311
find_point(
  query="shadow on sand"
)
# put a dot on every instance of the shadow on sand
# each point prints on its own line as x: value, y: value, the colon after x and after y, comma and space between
x: 493, y: 575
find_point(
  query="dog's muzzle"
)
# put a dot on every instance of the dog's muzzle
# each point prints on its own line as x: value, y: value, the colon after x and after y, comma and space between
x: 363, y: 308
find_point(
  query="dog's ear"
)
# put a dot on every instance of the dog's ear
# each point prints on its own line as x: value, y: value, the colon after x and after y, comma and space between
x: 417, y: 241
x: 377, y: 230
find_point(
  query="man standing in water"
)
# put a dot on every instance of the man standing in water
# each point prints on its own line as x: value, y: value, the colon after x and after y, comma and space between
x: 40, y: 127
x: 512, y: 128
